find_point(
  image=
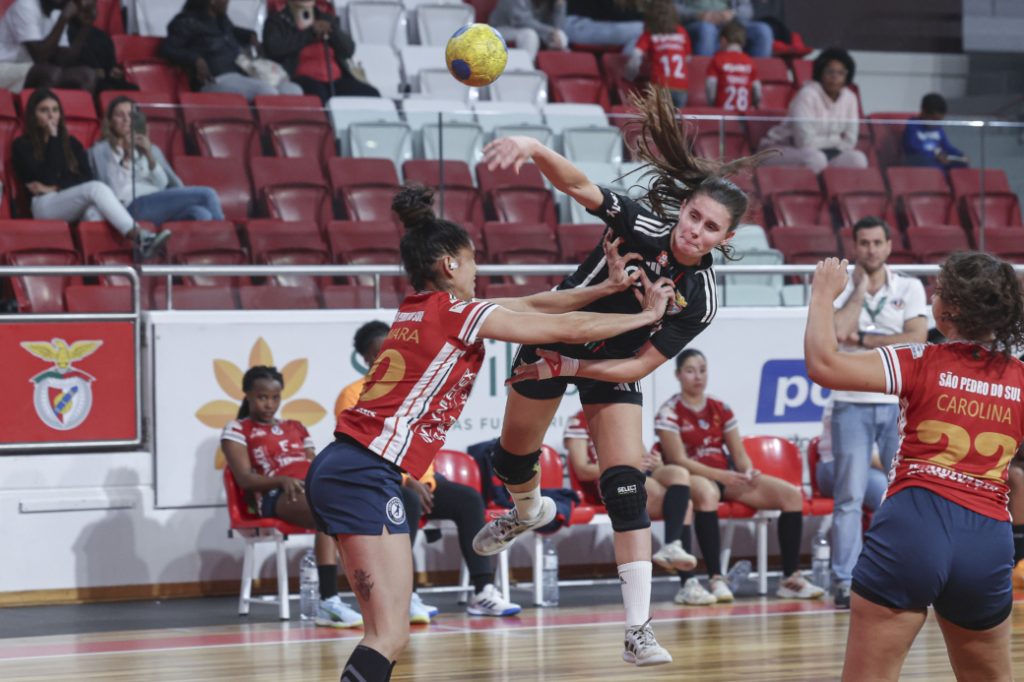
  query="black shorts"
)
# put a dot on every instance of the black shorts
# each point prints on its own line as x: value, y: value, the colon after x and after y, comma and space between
x: 592, y: 392
x: 352, y: 491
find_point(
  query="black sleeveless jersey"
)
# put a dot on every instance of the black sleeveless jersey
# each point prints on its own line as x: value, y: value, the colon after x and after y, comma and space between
x: 642, y: 232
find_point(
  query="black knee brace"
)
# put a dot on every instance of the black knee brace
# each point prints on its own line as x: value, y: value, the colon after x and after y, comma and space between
x: 625, y: 498
x: 514, y: 469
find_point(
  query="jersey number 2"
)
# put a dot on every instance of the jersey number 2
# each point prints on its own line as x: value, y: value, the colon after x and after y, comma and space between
x: 958, y: 445
x: 672, y: 66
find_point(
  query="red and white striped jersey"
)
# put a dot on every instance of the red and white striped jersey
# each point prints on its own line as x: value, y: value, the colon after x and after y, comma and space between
x: 277, y: 449
x: 702, y: 431
x: 419, y: 383
x: 961, y: 420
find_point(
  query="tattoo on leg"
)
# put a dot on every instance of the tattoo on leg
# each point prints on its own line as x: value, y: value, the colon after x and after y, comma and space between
x: 363, y: 584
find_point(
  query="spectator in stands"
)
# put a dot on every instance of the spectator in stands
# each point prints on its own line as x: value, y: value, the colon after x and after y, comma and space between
x: 603, y: 22
x: 668, y: 498
x: 269, y: 459
x: 92, y: 47
x: 704, y: 19
x: 822, y: 125
x: 700, y: 433
x: 435, y: 497
x: 54, y: 169
x: 878, y: 308
x: 732, y: 81
x: 34, y: 48
x: 202, y: 40
x: 825, y: 472
x: 531, y: 23
x: 313, y: 49
x: 926, y: 144
x: 666, y: 46
x: 138, y: 172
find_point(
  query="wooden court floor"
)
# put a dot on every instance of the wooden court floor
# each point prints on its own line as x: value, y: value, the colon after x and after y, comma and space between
x: 755, y: 639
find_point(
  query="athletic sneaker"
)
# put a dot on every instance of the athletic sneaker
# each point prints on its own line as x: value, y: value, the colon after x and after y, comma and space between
x: 431, y: 610
x: 490, y: 602
x: 798, y: 587
x: 672, y: 557
x: 502, y: 531
x: 694, y: 594
x: 418, y: 611
x: 841, y: 598
x: 738, y: 574
x: 147, y: 243
x: 334, y: 613
x: 720, y: 588
x: 641, y: 648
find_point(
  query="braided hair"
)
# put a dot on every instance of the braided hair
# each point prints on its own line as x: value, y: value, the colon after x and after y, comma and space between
x: 249, y: 381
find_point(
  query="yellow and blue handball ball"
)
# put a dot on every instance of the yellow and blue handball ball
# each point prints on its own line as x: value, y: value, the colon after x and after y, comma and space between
x: 476, y: 55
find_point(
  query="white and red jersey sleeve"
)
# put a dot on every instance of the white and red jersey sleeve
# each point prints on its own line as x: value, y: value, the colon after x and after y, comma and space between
x: 278, y: 449
x: 735, y: 73
x: 421, y: 379
x: 961, y: 421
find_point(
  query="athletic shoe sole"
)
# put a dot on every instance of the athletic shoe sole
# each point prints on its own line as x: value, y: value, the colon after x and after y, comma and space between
x: 547, y: 515
x: 325, y: 623
x: 653, y: 660
x: 672, y: 568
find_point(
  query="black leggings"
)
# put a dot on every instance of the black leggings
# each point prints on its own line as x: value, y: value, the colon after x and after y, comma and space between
x: 464, y: 506
x: 345, y: 86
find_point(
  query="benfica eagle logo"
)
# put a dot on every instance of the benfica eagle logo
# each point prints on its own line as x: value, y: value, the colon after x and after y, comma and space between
x: 63, y: 395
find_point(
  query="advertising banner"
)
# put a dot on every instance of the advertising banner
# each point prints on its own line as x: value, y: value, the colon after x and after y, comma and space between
x: 68, y: 382
x: 754, y: 360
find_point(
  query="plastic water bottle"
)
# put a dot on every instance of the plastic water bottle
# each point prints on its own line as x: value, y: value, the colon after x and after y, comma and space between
x: 549, y: 592
x: 821, y: 560
x: 309, y: 587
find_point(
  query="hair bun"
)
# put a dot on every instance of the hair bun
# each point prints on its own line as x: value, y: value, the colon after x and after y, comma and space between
x: 415, y: 206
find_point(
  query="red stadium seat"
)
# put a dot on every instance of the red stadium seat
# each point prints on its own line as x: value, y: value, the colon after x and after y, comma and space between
x: 887, y: 130
x: 697, y: 75
x: 276, y: 242
x: 573, y: 77
x: 625, y: 118
x: 462, y: 203
x: 194, y: 298
x: 358, y: 296
x: 613, y: 65
x: 931, y: 244
x: 776, y: 87
x: 131, y: 48
x: 857, y: 193
x: 506, y: 290
x: 521, y: 243
x: 518, y: 197
x: 575, y: 242
x: 364, y: 188
x: 10, y: 123
x: 296, y: 126
x: 803, y: 69
x: 208, y: 242
x: 220, y: 124
x: 269, y: 297
x: 79, y: 113
x: 1005, y: 242
x: 227, y: 177
x: 108, y: 17
x: 157, y: 77
x: 162, y: 119
x: 804, y: 244
x: 922, y: 196
x: 254, y: 529
x: 793, y: 195
x: 367, y: 243
x: 985, y: 195
x: 38, y: 242
x: 755, y: 207
x: 717, y: 138
x: 93, y: 298
x: 765, y: 119
x: 291, y: 189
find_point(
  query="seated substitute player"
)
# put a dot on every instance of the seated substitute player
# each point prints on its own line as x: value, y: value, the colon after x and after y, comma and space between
x: 269, y: 459
x: 700, y: 433
x: 668, y: 494
x: 417, y: 389
x: 942, y: 536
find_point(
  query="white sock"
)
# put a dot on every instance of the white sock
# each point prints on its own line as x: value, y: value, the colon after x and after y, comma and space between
x: 528, y: 503
x: 635, y: 580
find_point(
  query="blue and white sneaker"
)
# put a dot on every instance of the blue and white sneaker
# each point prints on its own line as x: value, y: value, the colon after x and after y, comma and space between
x: 334, y: 613
x: 418, y: 613
x: 431, y: 610
x: 490, y: 602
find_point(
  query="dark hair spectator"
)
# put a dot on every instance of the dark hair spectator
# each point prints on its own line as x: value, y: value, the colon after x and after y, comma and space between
x: 91, y: 47
x: 924, y: 139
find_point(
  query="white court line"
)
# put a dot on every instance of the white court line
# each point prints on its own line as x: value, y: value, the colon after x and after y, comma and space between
x: 450, y: 630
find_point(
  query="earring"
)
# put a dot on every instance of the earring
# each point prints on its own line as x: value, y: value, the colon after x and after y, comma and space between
x: 452, y: 265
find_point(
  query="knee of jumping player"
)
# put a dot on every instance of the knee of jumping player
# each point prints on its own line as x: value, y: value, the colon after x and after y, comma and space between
x: 515, y: 469
x: 625, y: 498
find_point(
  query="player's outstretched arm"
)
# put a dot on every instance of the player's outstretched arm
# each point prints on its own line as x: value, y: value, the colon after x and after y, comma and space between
x: 565, y: 300
x: 619, y: 371
x: 513, y: 152
x: 826, y: 365
x: 577, y: 327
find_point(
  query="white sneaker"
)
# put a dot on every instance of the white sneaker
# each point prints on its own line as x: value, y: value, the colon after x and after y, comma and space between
x: 641, y: 648
x: 694, y: 594
x: 798, y: 587
x: 502, y: 531
x: 720, y: 588
x: 672, y: 557
x: 490, y: 602
x: 334, y: 613
x: 430, y: 609
x: 418, y: 613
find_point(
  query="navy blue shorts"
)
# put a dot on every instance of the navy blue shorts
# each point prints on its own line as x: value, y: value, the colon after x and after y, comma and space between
x: 592, y: 392
x: 268, y: 503
x: 353, y: 491
x: 923, y: 549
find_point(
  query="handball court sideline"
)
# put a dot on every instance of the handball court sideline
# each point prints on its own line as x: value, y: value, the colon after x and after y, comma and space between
x: 203, y: 640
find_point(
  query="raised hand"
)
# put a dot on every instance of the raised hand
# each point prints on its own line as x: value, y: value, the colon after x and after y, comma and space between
x: 829, y: 278
x: 618, y: 278
x: 509, y: 152
x: 655, y: 296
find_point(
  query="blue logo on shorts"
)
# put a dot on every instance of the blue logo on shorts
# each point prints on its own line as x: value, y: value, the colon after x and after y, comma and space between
x: 395, y: 511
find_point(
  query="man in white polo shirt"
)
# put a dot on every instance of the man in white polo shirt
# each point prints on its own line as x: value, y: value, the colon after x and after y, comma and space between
x: 33, y: 42
x: 878, y: 308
